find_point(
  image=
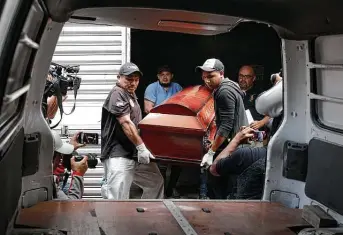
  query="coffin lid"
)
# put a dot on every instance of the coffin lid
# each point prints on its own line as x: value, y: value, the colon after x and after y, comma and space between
x: 188, y: 102
x: 192, y: 108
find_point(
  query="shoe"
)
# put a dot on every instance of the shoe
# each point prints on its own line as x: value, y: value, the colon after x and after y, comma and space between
x: 203, y: 197
x: 175, y: 194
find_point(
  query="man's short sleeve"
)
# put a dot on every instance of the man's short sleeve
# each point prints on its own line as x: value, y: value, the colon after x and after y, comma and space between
x: 150, y: 93
x: 119, y: 104
x: 178, y: 87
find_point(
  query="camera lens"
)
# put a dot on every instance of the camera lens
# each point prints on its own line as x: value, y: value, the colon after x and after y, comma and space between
x: 92, y: 160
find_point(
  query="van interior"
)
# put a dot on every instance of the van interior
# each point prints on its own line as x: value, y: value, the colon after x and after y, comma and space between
x: 304, y: 157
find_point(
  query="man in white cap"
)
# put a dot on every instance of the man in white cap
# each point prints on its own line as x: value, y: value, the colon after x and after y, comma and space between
x: 75, y: 189
x: 229, y: 113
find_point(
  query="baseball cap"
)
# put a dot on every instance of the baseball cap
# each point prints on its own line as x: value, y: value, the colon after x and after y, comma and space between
x: 60, y: 146
x: 211, y: 65
x: 164, y: 68
x: 129, y: 68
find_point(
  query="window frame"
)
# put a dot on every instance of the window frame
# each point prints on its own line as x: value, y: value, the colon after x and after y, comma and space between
x: 314, y: 90
x: 8, y: 54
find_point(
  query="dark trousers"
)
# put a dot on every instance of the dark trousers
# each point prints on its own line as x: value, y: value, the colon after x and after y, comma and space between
x: 175, y: 173
x: 246, y: 169
x: 220, y: 188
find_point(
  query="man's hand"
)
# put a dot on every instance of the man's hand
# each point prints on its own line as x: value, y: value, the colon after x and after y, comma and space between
x: 74, y: 142
x: 257, y: 124
x: 148, y: 105
x: 244, y: 134
x: 79, y: 167
x: 207, y: 159
x: 207, y: 145
x: 144, y: 154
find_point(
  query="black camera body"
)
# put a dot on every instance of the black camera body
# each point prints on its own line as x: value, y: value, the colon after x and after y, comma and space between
x: 62, y: 79
x: 92, y: 160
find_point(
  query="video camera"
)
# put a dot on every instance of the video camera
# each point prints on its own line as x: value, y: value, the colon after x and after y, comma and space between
x: 92, y: 160
x: 63, y: 79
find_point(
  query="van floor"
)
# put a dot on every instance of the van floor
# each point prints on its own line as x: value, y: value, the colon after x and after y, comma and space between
x: 155, y: 217
x: 187, y: 185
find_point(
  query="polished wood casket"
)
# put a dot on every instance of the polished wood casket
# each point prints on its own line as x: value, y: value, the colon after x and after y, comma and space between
x: 178, y: 129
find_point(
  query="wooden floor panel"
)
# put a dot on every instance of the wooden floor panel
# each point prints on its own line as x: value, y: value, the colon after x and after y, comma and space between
x: 102, y: 217
x: 241, y: 218
x: 121, y: 217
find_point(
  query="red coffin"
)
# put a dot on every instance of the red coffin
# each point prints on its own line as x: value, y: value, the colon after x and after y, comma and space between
x: 176, y: 130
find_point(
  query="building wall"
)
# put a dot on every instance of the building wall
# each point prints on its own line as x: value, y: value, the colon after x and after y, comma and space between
x: 100, y: 50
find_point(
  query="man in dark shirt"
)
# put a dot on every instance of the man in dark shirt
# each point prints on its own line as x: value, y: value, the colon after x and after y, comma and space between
x: 126, y: 159
x: 247, y: 163
x: 229, y: 113
x: 246, y: 79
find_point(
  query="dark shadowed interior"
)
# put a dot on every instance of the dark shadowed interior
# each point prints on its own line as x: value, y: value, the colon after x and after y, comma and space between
x: 248, y: 43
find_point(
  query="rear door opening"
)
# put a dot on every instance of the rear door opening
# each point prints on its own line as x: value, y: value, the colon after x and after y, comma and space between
x: 312, y: 109
x: 101, y: 49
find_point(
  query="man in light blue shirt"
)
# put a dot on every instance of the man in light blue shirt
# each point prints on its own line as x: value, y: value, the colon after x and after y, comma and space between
x: 161, y: 90
x: 155, y: 94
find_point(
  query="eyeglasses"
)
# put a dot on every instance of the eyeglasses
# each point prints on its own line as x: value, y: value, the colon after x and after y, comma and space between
x: 245, y: 76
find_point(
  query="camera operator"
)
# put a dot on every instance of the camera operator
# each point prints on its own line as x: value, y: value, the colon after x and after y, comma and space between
x: 62, y: 153
x: 52, y: 102
x: 60, y: 80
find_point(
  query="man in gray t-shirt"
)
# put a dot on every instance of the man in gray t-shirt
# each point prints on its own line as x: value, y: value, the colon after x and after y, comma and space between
x: 126, y: 159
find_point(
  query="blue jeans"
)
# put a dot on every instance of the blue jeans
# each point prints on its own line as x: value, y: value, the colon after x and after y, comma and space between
x: 65, y: 188
x: 203, y: 183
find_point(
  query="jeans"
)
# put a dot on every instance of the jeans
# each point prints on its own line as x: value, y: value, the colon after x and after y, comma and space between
x: 203, y: 183
x: 66, y: 187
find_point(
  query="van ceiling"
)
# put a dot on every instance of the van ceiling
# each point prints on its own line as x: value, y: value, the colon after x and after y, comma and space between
x: 159, y: 20
x: 297, y: 19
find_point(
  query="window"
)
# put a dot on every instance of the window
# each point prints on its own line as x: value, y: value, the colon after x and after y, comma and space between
x: 18, y: 51
x: 327, y: 92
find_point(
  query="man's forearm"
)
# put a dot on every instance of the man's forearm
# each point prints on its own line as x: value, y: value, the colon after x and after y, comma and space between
x: 232, y: 146
x: 52, y: 107
x: 76, y: 188
x: 218, y: 141
x: 265, y: 120
x: 148, y: 105
x: 131, y: 132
